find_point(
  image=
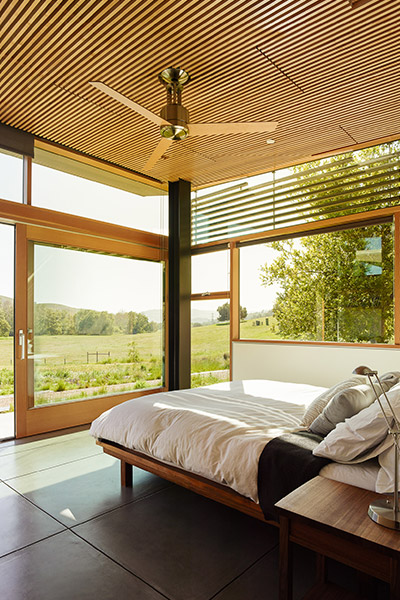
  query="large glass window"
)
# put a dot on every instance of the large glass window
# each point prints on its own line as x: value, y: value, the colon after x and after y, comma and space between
x: 210, y: 318
x: 335, y: 286
x: 210, y: 272
x: 11, y: 179
x: 66, y: 185
x: 96, y: 324
x: 210, y: 342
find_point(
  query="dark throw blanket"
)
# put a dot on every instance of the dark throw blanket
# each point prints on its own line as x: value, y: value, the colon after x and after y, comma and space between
x: 286, y: 463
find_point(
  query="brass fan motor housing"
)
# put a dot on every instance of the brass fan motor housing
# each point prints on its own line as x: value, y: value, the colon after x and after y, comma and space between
x: 178, y: 116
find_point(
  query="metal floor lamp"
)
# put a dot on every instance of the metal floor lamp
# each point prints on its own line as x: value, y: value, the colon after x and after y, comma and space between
x: 386, y: 511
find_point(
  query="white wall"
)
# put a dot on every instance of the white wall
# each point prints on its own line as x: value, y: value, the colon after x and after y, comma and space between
x: 306, y: 363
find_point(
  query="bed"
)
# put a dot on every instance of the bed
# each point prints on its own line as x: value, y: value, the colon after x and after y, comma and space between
x: 210, y: 439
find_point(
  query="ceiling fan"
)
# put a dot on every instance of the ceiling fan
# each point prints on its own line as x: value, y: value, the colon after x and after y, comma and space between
x: 174, y: 117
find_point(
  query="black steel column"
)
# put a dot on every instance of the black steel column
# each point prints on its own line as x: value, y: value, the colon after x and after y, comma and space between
x: 179, y: 285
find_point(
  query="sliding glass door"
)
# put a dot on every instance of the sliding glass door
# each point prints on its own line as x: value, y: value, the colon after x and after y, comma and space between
x: 93, y: 332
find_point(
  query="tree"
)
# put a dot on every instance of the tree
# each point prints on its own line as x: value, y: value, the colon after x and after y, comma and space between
x: 50, y: 321
x: 336, y: 286
x: 224, y: 312
x: 139, y: 323
x: 47, y: 321
x: 4, y: 325
x: 8, y: 312
x: 92, y: 322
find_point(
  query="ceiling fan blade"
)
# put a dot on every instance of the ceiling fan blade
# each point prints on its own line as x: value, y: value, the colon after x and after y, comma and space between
x: 225, y: 128
x: 130, y: 103
x: 162, y: 147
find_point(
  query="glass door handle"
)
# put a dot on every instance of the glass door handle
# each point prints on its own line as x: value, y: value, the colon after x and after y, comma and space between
x: 21, y: 342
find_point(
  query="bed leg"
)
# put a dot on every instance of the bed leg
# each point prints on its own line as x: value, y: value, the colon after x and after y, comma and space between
x: 126, y: 474
x: 285, y: 560
x: 321, y: 568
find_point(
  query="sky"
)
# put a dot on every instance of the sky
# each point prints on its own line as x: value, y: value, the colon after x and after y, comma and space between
x: 6, y: 260
x: 96, y: 281
x: 100, y: 282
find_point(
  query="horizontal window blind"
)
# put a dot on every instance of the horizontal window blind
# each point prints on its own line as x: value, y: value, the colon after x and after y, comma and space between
x: 348, y: 183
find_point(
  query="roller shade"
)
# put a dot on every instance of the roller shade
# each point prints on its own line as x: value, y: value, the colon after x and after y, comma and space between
x: 345, y: 184
x: 16, y: 140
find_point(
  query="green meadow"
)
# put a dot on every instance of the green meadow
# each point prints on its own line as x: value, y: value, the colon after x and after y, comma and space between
x: 79, y: 366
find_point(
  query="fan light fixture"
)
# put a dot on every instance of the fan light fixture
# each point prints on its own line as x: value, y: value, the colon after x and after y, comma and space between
x: 174, y: 132
x: 173, y: 112
x: 174, y: 120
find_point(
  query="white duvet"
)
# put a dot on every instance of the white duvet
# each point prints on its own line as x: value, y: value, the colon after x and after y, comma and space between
x: 218, y: 431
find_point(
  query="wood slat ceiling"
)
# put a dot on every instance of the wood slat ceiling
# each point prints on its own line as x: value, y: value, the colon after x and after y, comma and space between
x: 326, y: 70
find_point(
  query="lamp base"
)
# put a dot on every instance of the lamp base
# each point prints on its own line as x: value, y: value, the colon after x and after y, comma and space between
x: 382, y: 513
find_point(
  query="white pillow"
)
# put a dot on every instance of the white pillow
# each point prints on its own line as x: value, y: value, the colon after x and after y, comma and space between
x: 317, y: 406
x: 385, y: 480
x: 363, y: 435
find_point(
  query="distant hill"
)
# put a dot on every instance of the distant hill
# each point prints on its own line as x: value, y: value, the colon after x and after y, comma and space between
x: 204, y: 316
x: 198, y: 316
x: 51, y: 306
x: 153, y: 314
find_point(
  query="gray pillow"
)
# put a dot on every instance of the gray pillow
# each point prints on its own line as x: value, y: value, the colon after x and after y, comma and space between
x: 346, y: 404
x: 316, y: 407
x: 392, y: 377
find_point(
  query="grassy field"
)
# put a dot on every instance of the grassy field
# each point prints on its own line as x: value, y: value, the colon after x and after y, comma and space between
x: 249, y: 329
x: 64, y: 370
x: 73, y: 349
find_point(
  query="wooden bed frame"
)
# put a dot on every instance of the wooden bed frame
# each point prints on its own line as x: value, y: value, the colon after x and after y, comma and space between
x: 195, y: 483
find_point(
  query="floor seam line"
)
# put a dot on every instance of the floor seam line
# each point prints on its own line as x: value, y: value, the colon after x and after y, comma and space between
x: 120, y: 565
x: 70, y: 527
x: 28, y: 439
x: 68, y: 462
x: 47, y: 537
x: 245, y: 570
x: 36, y: 506
x: 111, y: 510
x: 51, y: 443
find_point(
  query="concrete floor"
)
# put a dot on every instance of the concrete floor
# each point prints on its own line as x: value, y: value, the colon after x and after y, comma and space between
x: 68, y: 531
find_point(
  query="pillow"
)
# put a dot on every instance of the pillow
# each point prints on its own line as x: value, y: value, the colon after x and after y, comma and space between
x: 355, y: 438
x: 392, y: 377
x: 318, y: 405
x: 385, y: 480
x: 345, y: 404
